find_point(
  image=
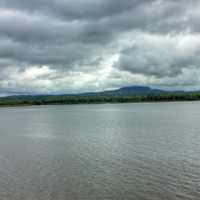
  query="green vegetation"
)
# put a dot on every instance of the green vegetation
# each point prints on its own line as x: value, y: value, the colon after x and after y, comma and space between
x: 97, y: 98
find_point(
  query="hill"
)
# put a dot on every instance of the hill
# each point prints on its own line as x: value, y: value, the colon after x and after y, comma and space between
x: 124, y: 94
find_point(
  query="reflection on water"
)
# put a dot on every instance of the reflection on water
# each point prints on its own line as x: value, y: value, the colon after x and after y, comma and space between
x: 118, y: 151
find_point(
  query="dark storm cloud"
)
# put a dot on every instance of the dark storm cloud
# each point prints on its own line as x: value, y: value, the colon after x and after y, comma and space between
x: 82, y: 35
x: 34, y: 28
x: 84, y: 9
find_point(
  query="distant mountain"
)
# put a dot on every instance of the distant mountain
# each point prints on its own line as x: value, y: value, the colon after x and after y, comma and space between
x: 127, y: 90
x: 130, y: 91
x: 134, y: 90
x: 124, y: 94
x: 139, y: 90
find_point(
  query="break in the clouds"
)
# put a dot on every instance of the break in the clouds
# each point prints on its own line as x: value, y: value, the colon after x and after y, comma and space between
x: 64, y: 46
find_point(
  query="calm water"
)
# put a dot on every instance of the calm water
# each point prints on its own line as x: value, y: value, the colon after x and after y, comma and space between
x: 118, y: 151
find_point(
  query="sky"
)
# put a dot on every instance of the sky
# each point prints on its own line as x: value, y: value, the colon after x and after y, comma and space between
x: 71, y: 46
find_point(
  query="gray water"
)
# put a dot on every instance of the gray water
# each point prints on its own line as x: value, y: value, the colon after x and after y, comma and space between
x: 111, y: 151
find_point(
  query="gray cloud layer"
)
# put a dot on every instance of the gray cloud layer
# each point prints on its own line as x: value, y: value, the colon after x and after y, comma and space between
x: 69, y: 46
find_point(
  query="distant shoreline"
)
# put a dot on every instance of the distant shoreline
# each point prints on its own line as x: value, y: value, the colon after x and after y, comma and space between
x: 16, y: 101
x: 129, y: 94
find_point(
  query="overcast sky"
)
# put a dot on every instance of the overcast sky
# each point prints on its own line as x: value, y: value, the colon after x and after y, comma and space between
x: 64, y: 46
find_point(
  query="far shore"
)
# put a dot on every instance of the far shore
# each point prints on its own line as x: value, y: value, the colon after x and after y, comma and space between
x: 93, y: 102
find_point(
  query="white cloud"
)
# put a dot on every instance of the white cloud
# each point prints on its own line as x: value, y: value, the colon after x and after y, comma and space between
x: 35, y: 72
x: 160, y: 55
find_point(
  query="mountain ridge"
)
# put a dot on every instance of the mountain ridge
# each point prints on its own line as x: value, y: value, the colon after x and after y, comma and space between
x: 121, y: 95
x: 126, y: 90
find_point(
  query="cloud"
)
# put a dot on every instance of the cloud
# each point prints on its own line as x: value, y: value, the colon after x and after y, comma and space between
x: 97, y: 44
x: 160, y: 55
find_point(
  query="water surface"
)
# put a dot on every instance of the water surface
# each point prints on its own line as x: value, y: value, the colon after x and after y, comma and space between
x: 112, y: 151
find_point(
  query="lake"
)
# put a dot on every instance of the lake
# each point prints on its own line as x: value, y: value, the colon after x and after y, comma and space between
x: 147, y: 151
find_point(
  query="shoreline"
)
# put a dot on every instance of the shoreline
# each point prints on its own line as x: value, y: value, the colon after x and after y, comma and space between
x: 95, y: 103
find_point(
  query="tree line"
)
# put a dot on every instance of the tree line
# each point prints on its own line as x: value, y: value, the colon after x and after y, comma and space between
x: 89, y: 99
